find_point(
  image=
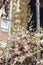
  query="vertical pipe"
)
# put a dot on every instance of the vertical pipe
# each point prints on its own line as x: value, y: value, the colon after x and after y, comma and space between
x: 38, y: 15
x: 9, y: 29
x: 10, y: 9
x: 38, y: 27
x: 10, y: 15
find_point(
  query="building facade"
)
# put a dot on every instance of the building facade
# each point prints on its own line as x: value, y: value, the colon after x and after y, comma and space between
x: 20, y: 15
x: 5, y: 20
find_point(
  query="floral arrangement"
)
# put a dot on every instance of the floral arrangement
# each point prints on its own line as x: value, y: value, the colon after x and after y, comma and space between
x: 23, y: 46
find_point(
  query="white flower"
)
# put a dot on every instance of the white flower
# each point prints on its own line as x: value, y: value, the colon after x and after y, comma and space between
x: 21, y: 59
x: 18, y: 38
x: 26, y: 47
x: 3, y: 44
x: 41, y: 41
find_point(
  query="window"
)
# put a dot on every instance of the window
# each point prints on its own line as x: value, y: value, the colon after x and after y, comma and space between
x: 5, y: 25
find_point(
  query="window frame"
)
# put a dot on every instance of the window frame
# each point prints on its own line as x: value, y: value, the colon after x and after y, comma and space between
x: 4, y: 28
